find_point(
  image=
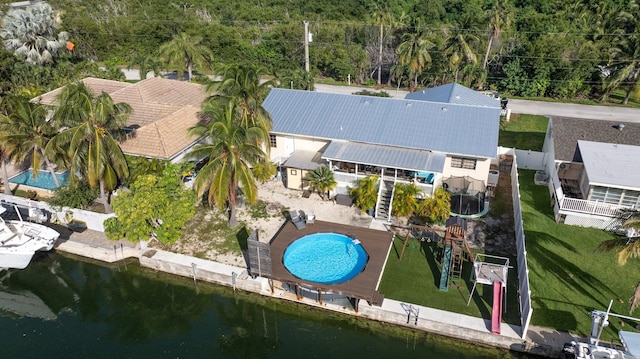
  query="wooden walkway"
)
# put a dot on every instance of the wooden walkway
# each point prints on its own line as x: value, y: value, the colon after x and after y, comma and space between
x: 364, y: 286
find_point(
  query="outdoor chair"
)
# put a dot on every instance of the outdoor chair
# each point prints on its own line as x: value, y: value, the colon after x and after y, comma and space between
x: 311, y: 217
x: 298, y: 219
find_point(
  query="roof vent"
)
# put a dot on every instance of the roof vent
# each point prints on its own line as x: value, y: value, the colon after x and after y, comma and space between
x: 444, y: 109
x: 409, y: 104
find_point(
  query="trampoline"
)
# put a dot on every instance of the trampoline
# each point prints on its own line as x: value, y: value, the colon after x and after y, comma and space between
x: 468, y: 198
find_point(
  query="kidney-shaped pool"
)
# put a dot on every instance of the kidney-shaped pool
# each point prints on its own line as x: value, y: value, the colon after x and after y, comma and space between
x: 327, y: 258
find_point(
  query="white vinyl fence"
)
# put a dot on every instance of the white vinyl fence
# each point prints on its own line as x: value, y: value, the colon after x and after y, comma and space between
x: 523, y: 269
x: 42, y: 212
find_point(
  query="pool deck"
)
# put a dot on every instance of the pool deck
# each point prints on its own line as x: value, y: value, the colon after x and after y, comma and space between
x: 363, y: 286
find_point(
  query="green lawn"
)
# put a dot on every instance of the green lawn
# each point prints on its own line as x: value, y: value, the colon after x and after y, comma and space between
x: 568, y: 277
x: 525, y: 132
x: 416, y: 278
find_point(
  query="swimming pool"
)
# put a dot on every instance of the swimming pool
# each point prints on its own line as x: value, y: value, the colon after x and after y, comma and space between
x: 44, y: 179
x: 327, y: 258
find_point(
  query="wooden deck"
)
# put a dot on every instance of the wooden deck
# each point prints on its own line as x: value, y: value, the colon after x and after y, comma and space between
x: 363, y: 286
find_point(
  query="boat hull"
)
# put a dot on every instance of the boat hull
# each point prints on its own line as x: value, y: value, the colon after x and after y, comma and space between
x: 17, y: 252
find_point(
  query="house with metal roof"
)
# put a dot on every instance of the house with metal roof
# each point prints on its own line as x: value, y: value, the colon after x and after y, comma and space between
x: 400, y: 140
x: 593, y: 168
x: 163, y: 112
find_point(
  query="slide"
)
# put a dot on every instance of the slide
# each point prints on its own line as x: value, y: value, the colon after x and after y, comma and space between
x: 496, y: 313
x: 446, y: 267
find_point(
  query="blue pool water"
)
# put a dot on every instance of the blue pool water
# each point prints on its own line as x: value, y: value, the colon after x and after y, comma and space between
x: 327, y: 258
x: 44, y: 179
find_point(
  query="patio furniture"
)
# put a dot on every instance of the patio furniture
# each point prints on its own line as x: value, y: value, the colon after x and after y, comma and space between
x: 344, y: 199
x: 298, y: 219
x: 311, y: 217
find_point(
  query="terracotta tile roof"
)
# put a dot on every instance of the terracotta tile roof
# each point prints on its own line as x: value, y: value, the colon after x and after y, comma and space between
x: 96, y: 86
x: 163, y: 110
x: 165, y: 138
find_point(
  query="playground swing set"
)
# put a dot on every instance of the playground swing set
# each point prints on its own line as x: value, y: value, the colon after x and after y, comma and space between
x: 487, y: 269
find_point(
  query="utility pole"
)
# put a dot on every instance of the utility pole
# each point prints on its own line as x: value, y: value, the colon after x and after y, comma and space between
x: 306, y: 46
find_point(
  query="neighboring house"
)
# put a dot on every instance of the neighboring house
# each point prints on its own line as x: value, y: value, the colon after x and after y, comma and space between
x: 163, y: 112
x: 594, y: 169
x: 447, y: 131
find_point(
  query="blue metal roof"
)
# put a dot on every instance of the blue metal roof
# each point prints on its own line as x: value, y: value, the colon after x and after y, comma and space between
x: 385, y: 156
x: 420, y: 125
x: 455, y: 94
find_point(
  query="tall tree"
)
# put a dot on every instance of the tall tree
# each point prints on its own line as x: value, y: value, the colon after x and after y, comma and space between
x: 383, y: 16
x: 624, y: 65
x: 32, y: 33
x: 248, y: 88
x: 185, y: 52
x: 25, y: 132
x: 92, y: 126
x: 499, y: 16
x: 437, y: 207
x: 628, y: 247
x: 460, y: 44
x: 414, y: 52
x: 322, y: 180
x: 230, y: 149
x: 145, y: 62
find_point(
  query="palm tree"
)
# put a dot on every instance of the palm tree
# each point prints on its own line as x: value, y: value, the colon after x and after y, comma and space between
x: 185, y: 52
x: 231, y: 149
x: 365, y: 194
x: 624, y: 66
x: 25, y: 132
x: 322, y: 180
x: 247, y: 87
x: 414, y: 52
x: 436, y: 208
x: 382, y: 16
x: 145, y: 62
x: 460, y: 44
x: 499, y: 17
x: 627, y: 247
x: 405, y: 201
x: 92, y: 126
x: 31, y: 33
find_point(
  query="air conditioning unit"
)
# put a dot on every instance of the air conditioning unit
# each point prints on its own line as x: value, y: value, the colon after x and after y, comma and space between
x: 564, y: 166
x: 492, y: 180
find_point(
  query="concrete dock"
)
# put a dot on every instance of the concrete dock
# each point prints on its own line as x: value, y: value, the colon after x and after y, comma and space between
x: 544, y: 342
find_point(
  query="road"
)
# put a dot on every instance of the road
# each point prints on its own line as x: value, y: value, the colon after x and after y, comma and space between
x: 610, y: 113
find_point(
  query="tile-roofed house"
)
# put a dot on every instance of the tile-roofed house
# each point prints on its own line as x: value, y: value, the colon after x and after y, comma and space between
x: 397, y: 139
x: 592, y: 169
x: 454, y: 93
x: 163, y: 111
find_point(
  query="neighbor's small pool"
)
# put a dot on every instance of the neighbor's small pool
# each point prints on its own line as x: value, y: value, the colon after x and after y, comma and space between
x: 44, y: 179
x: 327, y: 258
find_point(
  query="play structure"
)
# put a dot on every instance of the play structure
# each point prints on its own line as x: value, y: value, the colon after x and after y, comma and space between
x: 492, y: 270
x: 455, y: 245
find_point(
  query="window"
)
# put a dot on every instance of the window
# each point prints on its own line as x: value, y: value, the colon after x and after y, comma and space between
x: 466, y: 163
x: 606, y: 194
x: 293, y: 172
x: 631, y: 198
x: 273, y: 141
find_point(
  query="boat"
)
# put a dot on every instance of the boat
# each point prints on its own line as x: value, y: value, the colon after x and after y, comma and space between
x: 630, y: 342
x: 20, y: 240
x: 594, y: 350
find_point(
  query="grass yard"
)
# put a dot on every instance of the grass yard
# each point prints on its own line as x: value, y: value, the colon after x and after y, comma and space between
x: 568, y: 277
x: 416, y: 278
x: 525, y: 132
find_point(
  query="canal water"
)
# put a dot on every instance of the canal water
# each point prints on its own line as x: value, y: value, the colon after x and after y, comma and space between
x: 65, y: 307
